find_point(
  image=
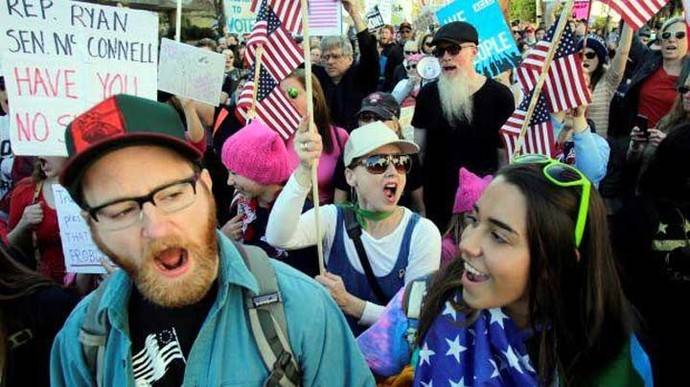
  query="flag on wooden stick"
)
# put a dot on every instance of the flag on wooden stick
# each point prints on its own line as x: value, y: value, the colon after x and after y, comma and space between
x: 271, y: 105
x: 565, y: 87
x: 539, y: 137
x: 636, y: 12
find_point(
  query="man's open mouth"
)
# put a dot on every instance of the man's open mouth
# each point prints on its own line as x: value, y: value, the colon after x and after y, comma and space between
x: 172, y: 261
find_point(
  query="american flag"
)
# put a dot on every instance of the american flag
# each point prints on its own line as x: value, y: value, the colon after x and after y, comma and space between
x: 490, y: 352
x: 539, y: 137
x: 281, y: 54
x: 323, y: 13
x: 565, y: 86
x: 288, y: 11
x: 272, y: 107
x: 636, y: 12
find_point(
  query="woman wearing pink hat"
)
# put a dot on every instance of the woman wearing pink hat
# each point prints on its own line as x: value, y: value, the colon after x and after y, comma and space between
x: 258, y: 166
x: 372, y: 247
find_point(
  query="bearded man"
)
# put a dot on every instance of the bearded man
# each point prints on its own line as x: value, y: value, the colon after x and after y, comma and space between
x: 176, y: 311
x: 464, y: 132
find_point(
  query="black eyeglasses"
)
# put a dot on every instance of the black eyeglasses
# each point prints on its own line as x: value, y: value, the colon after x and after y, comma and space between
x: 678, y: 35
x: 378, y: 164
x: 683, y: 90
x: 123, y: 213
x: 588, y: 55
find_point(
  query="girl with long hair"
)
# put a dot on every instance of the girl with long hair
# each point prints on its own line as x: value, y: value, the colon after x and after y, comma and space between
x: 534, y: 300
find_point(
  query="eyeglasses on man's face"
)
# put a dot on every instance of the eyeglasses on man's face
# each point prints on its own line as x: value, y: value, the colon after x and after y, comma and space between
x: 123, y: 213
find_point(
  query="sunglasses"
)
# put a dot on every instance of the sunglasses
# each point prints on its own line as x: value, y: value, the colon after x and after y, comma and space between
x: 410, y: 52
x: 453, y: 50
x: 411, y: 66
x: 564, y: 175
x: 588, y: 55
x: 370, y: 117
x: 678, y: 35
x: 683, y: 89
x: 428, y: 44
x: 378, y: 164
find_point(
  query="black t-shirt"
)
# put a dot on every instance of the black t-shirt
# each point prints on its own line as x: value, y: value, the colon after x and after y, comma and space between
x: 164, y: 336
x: 460, y: 144
x: 414, y: 180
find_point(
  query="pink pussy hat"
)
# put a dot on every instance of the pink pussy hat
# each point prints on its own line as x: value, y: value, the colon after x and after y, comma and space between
x: 258, y: 153
x: 470, y: 189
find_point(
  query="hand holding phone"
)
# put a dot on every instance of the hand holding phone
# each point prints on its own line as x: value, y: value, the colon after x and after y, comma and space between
x: 642, y: 123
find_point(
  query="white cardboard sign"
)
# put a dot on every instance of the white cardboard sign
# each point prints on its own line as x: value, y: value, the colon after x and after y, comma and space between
x: 62, y: 57
x: 81, y: 253
x: 191, y: 72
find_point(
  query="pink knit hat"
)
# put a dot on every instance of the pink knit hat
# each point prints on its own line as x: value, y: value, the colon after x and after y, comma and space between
x: 258, y: 153
x: 470, y: 188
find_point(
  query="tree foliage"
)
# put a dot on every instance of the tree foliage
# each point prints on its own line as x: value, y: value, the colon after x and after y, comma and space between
x: 523, y: 10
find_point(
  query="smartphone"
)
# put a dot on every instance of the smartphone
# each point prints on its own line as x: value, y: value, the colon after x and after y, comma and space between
x: 641, y: 121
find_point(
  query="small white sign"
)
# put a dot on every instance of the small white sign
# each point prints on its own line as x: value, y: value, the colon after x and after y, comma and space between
x: 191, y: 72
x: 81, y: 253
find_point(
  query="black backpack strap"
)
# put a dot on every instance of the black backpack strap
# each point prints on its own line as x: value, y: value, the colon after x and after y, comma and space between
x: 93, y: 335
x: 354, y: 231
x: 267, y: 320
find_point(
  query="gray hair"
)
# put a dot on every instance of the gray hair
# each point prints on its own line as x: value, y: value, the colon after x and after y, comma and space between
x: 330, y: 43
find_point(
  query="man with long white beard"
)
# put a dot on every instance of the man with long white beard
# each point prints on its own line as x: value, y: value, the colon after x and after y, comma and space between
x: 182, y: 311
x: 457, y: 119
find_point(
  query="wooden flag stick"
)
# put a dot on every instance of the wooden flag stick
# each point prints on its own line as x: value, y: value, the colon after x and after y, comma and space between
x: 565, y: 13
x: 257, y: 77
x: 178, y: 20
x: 312, y: 127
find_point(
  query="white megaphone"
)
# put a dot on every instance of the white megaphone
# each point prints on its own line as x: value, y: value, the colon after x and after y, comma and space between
x: 429, y: 68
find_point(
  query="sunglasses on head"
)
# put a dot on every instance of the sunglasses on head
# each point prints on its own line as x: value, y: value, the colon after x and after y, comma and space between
x: 588, y: 55
x: 378, y: 164
x: 678, y: 35
x: 683, y: 89
x: 564, y: 175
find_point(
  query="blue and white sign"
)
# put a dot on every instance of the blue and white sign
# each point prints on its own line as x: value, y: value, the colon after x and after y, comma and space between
x: 497, y: 49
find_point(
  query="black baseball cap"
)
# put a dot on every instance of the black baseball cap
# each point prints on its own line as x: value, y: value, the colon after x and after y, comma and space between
x: 456, y: 32
x: 382, y: 104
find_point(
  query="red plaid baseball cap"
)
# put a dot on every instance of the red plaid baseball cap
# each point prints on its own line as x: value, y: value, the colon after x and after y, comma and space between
x: 119, y: 121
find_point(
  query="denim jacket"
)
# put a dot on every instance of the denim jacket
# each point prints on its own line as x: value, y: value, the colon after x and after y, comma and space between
x: 224, y: 352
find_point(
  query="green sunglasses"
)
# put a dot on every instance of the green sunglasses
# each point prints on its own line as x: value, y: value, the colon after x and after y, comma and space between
x: 564, y: 175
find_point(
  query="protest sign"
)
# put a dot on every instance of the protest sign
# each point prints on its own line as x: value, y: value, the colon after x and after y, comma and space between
x: 424, y: 21
x: 239, y: 17
x: 374, y: 19
x: 325, y: 17
x: 81, y: 254
x: 60, y: 58
x: 191, y: 72
x: 581, y: 9
x: 497, y: 49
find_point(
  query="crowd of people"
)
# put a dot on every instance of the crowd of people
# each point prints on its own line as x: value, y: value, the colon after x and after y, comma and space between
x: 444, y: 263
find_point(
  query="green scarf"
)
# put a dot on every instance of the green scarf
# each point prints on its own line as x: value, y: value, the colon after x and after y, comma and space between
x: 361, y: 215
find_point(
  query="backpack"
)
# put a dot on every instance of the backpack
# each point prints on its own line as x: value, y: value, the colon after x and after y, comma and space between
x: 266, y: 319
x: 412, y: 302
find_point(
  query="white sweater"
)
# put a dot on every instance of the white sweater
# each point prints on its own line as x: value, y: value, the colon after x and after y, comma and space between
x: 288, y: 229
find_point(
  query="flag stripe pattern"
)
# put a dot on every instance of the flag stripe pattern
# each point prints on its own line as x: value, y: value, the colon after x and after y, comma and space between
x: 282, y: 55
x: 636, y: 12
x: 272, y: 107
x: 290, y: 14
x: 539, y: 137
x: 322, y: 13
x: 565, y: 86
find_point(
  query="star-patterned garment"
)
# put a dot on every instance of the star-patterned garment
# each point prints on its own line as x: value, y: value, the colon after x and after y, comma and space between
x: 489, y: 352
